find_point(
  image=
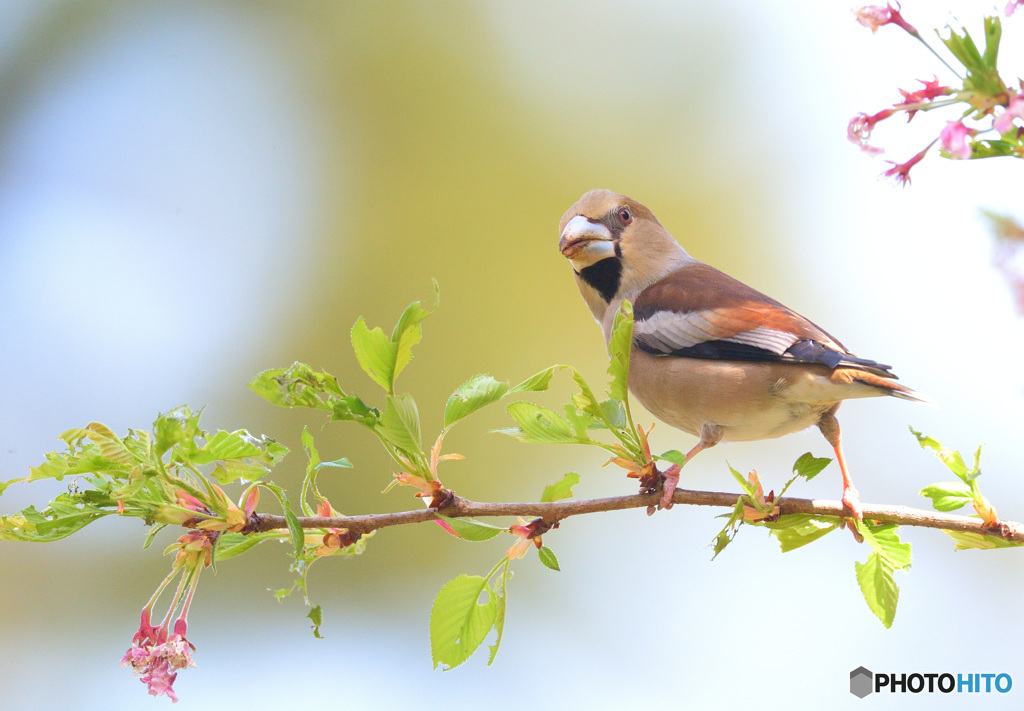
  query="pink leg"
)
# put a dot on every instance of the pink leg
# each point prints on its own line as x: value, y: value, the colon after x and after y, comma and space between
x: 829, y: 427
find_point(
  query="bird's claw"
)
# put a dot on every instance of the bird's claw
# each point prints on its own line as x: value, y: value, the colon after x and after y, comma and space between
x: 665, y: 482
x: 851, y: 500
x: 852, y: 527
x: 669, y: 480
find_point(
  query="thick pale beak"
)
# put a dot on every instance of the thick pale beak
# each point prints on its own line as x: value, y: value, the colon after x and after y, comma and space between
x: 585, y: 243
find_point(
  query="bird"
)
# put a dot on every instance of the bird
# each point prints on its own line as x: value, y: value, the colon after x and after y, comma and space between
x: 710, y: 355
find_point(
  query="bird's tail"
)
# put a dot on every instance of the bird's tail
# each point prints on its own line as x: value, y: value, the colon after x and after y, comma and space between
x: 887, y: 385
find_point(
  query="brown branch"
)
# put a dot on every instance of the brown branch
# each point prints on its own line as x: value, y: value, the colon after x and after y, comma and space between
x: 556, y: 511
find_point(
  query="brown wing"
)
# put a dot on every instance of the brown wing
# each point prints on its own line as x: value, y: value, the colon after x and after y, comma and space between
x: 700, y: 312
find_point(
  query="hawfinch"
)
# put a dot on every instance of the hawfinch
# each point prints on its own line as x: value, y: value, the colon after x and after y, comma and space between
x: 710, y: 355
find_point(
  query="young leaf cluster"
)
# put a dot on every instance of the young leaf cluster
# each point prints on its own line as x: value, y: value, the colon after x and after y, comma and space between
x: 875, y: 576
x: 163, y: 476
x: 952, y: 495
x: 459, y: 621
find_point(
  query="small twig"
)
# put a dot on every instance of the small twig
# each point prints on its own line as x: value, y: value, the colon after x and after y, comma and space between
x: 558, y: 510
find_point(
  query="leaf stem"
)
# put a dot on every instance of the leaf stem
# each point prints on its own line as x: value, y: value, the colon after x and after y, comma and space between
x: 919, y: 38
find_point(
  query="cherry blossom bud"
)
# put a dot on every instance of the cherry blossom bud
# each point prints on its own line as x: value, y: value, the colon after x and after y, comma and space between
x: 900, y: 172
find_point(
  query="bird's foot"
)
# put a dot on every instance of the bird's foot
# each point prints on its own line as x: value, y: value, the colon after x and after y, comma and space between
x: 851, y: 525
x: 654, y: 481
x: 851, y: 500
x: 669, y: 480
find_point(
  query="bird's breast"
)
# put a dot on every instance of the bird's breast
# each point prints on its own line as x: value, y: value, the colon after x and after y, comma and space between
x: 749, y: 401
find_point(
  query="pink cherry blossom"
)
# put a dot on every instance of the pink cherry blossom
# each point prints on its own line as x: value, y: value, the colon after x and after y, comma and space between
x: 160, y: 680
x: 1012, y: 6
x: 1004, y: 122
x: 875, y: 16
x: 858, y: 130
x: 157, y: 664
x: 159, y: 652
x: 954, y: 140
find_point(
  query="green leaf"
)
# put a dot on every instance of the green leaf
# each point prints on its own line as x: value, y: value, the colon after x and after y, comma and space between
x: 472, y: 530
x: 673, y: 456
x: 547, y: 557
x: 174, y: 427
x: 238, y: 455
x: 499, y: 611
x: 580, y: 421
x: 537, y: 382
x: 730, y: 529
x: 796, y: 530
x: 878, y: 587
x: 294, y: 530
x: 66, y: 514
x: 408, y: 333
x: 539, y: 424
x: 472, y: 395
x: 964, y: 49
x: 948, y: 495
x: 338, y: 463
x: 111, y: 448
x: 232, y: 545
x: 383, y: 358
x: 375, y: 353
x: 316, y: 616
x: 950, y: 457
x: 294, y: 527
x: 808, y: 466
x: 990, y: 148
x: 400, y: 424
x: 312, y: 468
x: 993, y: 33
x: 458, y: 621
x: 300, y: 386
x: 227, y: 445
x: 618, y: 348
x: 966, y: 541
x: 561, y: 489
x: 875, y: 577
x: 151, y: 534
x: 615, y: 413
x: 352, y: 408
x: 585, y: 399
x: 885, y: 539
x: 742, y: 480
x: 76, y: 460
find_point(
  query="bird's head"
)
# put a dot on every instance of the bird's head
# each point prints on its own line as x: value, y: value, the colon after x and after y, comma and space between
x: 617, y: 248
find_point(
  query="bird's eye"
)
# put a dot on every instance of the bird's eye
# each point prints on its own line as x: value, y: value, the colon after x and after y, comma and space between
x: 625, y: 215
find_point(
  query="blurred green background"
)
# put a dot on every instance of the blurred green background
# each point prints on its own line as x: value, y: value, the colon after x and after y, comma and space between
x: 192, y: 192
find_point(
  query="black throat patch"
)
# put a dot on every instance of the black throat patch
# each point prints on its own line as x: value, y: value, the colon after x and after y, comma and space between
x: 604, y: 276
